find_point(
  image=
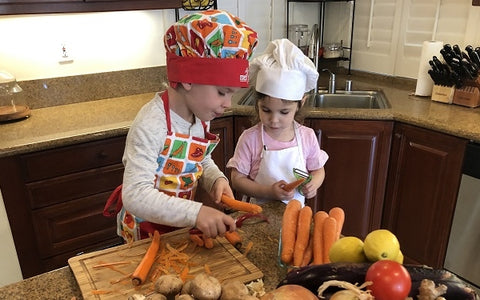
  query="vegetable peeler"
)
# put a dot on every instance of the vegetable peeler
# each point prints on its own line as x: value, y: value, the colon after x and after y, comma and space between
x: 301, y: 174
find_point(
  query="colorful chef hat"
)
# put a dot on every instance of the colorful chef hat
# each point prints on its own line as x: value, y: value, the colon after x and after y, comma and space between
x: 209, y: 47
x: 283, y: 71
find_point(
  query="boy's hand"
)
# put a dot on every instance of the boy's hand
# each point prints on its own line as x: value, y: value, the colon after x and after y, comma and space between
x: 213, y: 222
x: 219, y: 188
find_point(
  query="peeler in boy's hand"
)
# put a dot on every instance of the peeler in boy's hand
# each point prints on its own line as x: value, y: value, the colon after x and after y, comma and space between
x: 299, y: 174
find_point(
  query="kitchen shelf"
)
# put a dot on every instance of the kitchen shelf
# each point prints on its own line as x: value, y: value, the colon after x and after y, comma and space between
x: 322, y: 13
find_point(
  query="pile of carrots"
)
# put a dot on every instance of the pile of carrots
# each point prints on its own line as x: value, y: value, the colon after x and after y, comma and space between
x: 306, y: 237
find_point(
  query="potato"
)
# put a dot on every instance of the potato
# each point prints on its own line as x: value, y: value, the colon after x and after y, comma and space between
x: 289, y: 292
x: 184, y: 297
x: 168, y: 285
x: 234, y: 290
x: 205, y: 287
x: 155, y: 296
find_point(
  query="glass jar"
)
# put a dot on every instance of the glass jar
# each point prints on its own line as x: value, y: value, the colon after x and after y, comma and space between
x: 333, y: 50
x: 11, y: 99
x: 299, y: 35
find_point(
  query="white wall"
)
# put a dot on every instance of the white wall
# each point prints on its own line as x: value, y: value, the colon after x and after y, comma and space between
x: 31, y: 46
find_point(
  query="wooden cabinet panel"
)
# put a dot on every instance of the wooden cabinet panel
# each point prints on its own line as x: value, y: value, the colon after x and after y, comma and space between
x: 356, y: 170
x: 223, y: 127
x: 56, y: 212
x: 61, y: 189
x: 69, y: 160
x: 423, y: 181
x: 72, y: 226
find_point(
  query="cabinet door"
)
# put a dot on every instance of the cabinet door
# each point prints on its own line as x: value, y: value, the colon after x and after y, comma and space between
x: 423, y: 181
x: 223, y: 127
x: 356, y: 170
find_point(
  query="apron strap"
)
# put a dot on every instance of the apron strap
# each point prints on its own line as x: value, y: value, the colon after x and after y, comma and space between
x: 115, y: 201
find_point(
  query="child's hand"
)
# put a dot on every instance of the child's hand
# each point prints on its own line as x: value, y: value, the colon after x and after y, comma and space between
x: 219, y: 188
x: 309, y: 190
x: 213, y: 222
x: 279, y: 193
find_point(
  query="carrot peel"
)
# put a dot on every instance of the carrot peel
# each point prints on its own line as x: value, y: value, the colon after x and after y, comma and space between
x: 140, y: 274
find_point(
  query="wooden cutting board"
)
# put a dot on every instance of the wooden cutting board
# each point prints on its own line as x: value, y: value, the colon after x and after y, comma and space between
x: 223, y: 260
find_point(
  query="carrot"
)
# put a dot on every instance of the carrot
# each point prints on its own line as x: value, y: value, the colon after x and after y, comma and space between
x: 234, y: 238
x: 339, y: 214
x: 293, y: 185
x: 184, y: 274
x: 289, y: 229
x: 241, y: 205
x: 303, y: 234
x: 140, y: 274
x: 248, y: 248
x: 178, y: 150
x: 208, y: 242
x: 207, y: 269
x: 329, y: 234
x: 307, y: 256
x: 317, y: 235
x: 197, y: 240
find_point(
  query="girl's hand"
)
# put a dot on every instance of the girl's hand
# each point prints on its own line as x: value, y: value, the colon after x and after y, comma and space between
x: 279, y: 193
x: 309, y: 190
x: 213, y: 222
x: 219, y: 188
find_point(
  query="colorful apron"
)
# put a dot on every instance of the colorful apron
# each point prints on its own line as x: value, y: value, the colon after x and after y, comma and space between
x: 179, y: 169
x: 276, y: 165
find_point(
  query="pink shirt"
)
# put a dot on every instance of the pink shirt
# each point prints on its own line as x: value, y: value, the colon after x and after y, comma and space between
x: 246, y: 158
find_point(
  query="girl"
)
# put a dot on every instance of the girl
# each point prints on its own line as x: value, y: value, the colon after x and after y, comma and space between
x: 268, y: 155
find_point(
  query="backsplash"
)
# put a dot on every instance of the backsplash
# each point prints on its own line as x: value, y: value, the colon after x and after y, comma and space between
x: 73, y: 89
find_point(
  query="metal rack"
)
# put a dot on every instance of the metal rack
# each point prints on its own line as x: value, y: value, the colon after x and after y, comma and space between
x: 322, y: 13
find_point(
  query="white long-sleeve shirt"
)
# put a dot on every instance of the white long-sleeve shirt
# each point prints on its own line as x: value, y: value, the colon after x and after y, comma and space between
x: 145, y: 141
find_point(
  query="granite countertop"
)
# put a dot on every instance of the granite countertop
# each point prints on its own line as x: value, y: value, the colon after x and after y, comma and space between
x: 61, y: 283
x: 61, y: 125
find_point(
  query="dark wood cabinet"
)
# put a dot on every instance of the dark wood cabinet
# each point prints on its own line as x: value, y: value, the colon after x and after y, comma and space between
x: 55, y: 198
x: 223, y: 127
x: 423, y: 182
x: 12, y: 7
x: 356, y: 170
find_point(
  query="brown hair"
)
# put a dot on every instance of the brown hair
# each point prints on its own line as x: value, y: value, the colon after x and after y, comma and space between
x: 299, y: 114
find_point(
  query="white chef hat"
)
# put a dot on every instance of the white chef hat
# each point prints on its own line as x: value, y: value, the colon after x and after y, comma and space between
x: 283, y: 71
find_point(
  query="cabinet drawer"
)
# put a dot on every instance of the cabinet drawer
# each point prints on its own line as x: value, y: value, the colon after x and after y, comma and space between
x: 72, y: 159
x: 70, y: 187
x: 70, y: 226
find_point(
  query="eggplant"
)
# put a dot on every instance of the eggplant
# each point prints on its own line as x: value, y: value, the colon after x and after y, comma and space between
x: 311, y: 277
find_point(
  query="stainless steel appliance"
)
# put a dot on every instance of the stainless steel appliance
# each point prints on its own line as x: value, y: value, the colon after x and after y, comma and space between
x: 463, y: 256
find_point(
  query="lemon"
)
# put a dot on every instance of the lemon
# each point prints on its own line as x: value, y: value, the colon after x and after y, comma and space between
x: 399, y: 257
x: 347, y: 249
x: 381, y: 244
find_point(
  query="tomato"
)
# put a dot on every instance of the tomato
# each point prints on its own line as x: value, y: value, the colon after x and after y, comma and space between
x: 391, y: 281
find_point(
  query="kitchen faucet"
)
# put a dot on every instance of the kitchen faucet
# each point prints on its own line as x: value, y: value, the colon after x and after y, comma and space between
x: 313, y: 47
x: 331, y: 81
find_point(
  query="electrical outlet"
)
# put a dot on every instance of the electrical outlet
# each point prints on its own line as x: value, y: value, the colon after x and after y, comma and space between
x: 65, y: 54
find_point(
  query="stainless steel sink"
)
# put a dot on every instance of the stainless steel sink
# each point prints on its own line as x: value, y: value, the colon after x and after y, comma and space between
x: 369, y: 99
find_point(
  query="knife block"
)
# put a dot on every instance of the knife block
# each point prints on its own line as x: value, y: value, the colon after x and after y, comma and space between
x: 441, y: 93
x: 469, y: 95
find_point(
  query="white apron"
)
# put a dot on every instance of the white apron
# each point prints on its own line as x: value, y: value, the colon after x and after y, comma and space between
x: 276, y: 165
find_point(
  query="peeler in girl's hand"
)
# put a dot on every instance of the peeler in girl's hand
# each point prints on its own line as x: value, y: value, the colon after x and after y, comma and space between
x: 302, y: 174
